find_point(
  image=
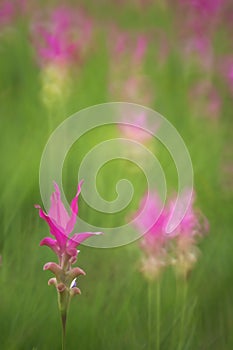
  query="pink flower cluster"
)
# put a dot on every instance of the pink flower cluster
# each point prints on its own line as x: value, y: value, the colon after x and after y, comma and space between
x: 127, y: 57
x: 61, y: 225
x: 7, y: 13
x: 127, y: 81
x: 176, y: 248
x: 64, y: 37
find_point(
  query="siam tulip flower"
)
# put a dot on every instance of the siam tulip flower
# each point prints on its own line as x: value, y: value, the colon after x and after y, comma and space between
x: 61, y: 42
x: 153, y: 243
x: 128, y: 83
x: 200, y: 20
x: 192, y: 226
x: 206, y: 99
x: 127, y: 80
x: 11, y: 11
x: 64, y: 245
x: 179, y: 246
x: 204, y: 7
x: 226, y: 71
x: 135, y: 130
x: 64, y: 38
x: 127, y: 46
x: 61, y: 225
x: 7, y: 13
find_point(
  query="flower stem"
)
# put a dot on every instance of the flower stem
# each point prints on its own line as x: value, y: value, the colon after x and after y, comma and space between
x: 149, y: 315
x: 63, y: 303
x: 184, y: 298
x: 158, y: 316
x: 63, y: 320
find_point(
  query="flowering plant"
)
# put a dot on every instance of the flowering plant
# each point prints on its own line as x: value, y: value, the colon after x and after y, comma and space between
x: 61, y: 225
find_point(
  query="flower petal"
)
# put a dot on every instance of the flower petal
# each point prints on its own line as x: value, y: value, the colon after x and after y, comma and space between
x: 54, y: 230
x: 74, y: 210
x: 57, y: 210
x: 78, y: 238
x: 51, y: 243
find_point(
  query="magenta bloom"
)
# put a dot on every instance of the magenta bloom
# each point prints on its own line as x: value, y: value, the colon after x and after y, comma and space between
x: 62, y: 39
x: 136, y: 127
x: 7, y: 12
x: 176, y: 248
x: 205, y: 7
x: 128, y: 49
x: 61, y: 225
x: 152, y: 222
x: 226, y: 70
x: 193, y: 222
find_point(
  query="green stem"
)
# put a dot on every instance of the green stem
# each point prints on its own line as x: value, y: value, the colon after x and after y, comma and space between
x: 149, y: 315
x: 63, y: 320
x: 184, y: 298
x: 63, y: 303
x: 158, y: 316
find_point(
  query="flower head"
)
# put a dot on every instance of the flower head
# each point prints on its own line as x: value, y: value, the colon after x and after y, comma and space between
x: 127, y: 80
x: 184, y: 252
x: 7, y: 12
x: 61, y: 225
x: 134, y: 127
x: 62, y: 39
x: 178, y: 247
x: 152, y: 222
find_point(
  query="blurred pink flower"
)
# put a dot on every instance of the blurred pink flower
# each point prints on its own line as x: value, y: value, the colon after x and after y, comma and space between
x: 64, y: 37
x: 136, y: 128
x: 200, y: 21
x: 61, y: 225
x: 204, y: 7
x: 190, y: 225
x: 152, y: 222
x: 12, y: 10
x: 226, y: 71
x: 184, y: 252
x: 177, y: 247
x: 206, y: 99
x: 7, y: 12
x: 127, y: 80
x: 123, y: 44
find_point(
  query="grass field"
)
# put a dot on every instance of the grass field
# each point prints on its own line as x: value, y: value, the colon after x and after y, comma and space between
x: 118, y: 308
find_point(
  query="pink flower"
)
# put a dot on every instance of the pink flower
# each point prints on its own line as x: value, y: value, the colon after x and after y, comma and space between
x: 206, y: 99
x: 150, y: 220
x: 128, y: 51
x: 63, y: 38
x: 127, y: 79
x: 205, y: 7
x: 226, y: 71
x: 184, y: 251
x: 136, y: 128
x: 177, y: 247
x: 189, y: 221
x: 7, y: 12
x: 61, y: 225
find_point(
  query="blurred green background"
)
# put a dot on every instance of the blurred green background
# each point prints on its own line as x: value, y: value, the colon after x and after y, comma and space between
x: 191, y: 89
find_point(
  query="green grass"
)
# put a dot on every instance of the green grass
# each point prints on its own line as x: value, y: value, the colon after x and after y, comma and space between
x: 112, y: 312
